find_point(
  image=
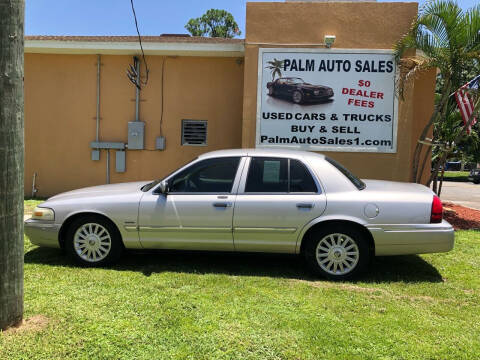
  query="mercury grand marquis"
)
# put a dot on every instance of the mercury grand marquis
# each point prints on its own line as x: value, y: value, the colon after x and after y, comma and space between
x: 246, y: 200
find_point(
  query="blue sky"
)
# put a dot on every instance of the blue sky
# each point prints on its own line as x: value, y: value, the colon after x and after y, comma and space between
x: 114, y: 17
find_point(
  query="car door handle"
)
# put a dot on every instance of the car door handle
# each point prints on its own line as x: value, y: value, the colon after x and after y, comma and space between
x: 304, y: 206
x: 222, y: 204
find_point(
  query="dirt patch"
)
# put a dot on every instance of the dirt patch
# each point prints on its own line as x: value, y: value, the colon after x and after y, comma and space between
x: 372, y: 292
x: 32, y: 324
x: 347, y: 287
x: 461, y: 217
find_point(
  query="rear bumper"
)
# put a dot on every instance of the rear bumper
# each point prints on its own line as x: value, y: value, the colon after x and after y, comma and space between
x: 41, y: 233
x: 412, y: 239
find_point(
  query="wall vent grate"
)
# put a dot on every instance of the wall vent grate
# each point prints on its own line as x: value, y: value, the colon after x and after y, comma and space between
x: 194, y: 132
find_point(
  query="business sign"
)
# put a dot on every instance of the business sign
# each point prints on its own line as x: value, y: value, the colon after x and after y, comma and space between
x: 327, y: 99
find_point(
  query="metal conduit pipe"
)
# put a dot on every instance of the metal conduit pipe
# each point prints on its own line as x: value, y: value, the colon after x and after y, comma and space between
x: 108, y: 166
x: 98, y: 97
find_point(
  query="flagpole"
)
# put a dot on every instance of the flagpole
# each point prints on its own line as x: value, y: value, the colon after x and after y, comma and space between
x: 468, y: 83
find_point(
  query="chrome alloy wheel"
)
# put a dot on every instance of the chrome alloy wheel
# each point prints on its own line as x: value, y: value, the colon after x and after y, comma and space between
x: 92, y: 242
x: 337, y: 254
x: 297, y: 97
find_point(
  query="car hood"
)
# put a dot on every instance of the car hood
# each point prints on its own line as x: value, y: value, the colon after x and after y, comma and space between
x: 101, y: 190
x: 395, y: 186
x: 314, y: 87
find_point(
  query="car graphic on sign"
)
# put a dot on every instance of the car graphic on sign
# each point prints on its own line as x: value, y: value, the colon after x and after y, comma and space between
x: 298, y: 91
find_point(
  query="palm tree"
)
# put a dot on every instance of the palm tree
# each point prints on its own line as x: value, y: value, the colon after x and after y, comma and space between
x: 443, y: 37
x: 275, y: 67
x: 452, y: 135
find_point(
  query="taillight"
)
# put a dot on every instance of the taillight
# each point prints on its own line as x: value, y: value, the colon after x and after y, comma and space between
x: 437, y: 210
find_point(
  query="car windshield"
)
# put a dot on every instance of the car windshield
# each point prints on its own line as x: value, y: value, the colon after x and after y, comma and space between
x: 296, y: 81
x: 360, y: 185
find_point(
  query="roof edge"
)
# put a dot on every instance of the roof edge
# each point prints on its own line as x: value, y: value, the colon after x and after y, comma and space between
x: 185, y: 48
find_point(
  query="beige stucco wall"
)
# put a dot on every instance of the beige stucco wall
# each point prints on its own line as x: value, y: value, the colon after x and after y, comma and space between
x: 60, y: 108
x: 360, y: 25
x: 60, y: 98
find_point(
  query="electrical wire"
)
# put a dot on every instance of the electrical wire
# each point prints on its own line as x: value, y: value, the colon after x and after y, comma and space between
x: 139, y: 81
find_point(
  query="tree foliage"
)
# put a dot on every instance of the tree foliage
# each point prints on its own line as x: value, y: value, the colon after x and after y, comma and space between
x: 214, y: 23
x: 446, y: 38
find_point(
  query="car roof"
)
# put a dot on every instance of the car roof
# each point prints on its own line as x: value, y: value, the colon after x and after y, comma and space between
x: 261, y: 152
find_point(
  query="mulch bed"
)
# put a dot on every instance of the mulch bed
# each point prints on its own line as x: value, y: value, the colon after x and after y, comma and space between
x: 461, y: 217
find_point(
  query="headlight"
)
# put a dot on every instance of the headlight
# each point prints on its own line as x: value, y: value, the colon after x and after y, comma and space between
x: 40, y: 213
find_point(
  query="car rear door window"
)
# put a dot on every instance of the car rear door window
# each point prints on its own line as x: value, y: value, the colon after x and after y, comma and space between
x: 267, y: 175
x: 278, y: 175
x: 300, y: 178
x: 207, y: 176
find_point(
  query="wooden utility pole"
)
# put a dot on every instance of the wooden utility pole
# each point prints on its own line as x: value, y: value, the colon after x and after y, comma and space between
x: 11, y: 162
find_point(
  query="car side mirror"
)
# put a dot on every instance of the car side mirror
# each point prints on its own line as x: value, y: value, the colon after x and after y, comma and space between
x: 163, y: 187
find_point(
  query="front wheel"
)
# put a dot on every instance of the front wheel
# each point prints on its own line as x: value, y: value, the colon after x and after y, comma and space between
x: 297, y: 97
x: 93, y: 241
x: 337, y: 252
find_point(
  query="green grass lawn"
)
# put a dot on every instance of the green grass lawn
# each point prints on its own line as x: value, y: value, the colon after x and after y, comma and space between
x: 29, y: 205
x: 168, y: 305
x: 455, y: 176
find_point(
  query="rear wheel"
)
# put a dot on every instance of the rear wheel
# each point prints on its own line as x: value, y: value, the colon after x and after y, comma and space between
x: 93, y: 241
x: 337, y: 252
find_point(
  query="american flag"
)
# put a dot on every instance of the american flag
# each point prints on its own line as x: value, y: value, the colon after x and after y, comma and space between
x: 465, y: 101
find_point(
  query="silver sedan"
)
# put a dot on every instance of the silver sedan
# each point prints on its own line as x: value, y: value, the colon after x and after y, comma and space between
x: 249, y: 200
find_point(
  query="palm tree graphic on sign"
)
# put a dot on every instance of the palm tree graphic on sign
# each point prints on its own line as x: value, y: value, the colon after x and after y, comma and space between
x: 275, y: 66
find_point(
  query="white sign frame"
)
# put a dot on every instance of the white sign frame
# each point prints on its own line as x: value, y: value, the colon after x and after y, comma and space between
x: 337, y: 148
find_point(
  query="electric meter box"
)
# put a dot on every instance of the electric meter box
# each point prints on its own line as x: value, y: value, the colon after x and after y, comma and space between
x: 120, y: 161
x: 136, y: 132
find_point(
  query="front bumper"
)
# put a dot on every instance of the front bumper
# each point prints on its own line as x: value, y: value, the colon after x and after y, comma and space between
x: 42, y: 233
x: 312, y: 97
x: 408, y: 239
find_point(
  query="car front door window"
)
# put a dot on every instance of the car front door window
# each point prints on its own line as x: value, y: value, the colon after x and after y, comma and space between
x: 207, y: 176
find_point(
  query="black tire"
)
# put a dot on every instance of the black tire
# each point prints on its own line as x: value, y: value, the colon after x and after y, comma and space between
x: 297, y: 97
x: 336, y: 256
x: 100, y: 228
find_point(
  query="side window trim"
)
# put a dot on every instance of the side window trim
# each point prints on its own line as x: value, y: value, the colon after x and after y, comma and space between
x: 236, y: 178
x: 243, y: 181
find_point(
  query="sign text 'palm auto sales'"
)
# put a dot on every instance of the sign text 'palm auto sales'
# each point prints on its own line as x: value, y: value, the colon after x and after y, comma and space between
x: 332, y: 100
